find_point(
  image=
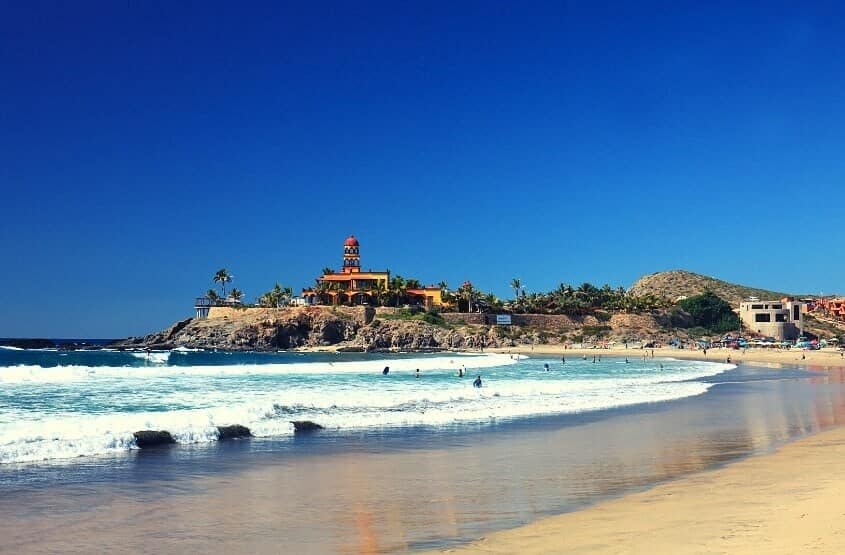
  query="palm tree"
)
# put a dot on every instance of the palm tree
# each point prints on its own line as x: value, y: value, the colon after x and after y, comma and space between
x: 398, y: 287
x: 467, y: 293
x: 222, y: 277
x: 327, y: 271
x: 212, y: 295
x: 516, y: 285
x: 236, y: 295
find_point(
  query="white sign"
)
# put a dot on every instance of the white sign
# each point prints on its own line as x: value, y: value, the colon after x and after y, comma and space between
x: 503, y: 319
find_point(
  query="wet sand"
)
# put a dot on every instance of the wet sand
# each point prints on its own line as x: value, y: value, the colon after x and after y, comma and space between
x: 437, y: 490
x: 787, y: 502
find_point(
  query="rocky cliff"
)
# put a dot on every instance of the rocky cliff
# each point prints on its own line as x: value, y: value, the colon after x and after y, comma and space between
x: 360, y: 329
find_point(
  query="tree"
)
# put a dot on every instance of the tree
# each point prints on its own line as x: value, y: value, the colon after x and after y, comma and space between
x: 327, y: 271
x: 276, y: 297
x: 212, y: 294
x: 222, y: 277
x: 710, y: 311
x: 398, y: 287
x: 516, y: 285
x: 236, y: 295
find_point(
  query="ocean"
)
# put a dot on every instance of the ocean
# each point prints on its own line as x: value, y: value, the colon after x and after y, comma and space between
x: 61, y: 405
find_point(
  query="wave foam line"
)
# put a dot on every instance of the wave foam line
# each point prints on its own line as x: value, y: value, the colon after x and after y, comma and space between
x: 38, y: 374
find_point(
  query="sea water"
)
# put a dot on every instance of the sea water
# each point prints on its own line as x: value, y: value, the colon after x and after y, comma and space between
x: 58, y: 405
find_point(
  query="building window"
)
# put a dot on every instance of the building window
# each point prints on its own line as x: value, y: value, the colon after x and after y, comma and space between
x: 765, y: 317
x: 756, y: 307
x: 777, y: 306
x: 781, y: 317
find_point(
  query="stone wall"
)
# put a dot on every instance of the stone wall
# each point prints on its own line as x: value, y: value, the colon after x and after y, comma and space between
x: 540, y: 321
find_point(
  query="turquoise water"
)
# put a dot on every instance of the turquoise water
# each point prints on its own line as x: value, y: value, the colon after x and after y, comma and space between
x: 59, y: 405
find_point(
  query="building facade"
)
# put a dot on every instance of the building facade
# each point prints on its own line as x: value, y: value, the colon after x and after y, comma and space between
x: 783, y: 320
x: 353, y: 286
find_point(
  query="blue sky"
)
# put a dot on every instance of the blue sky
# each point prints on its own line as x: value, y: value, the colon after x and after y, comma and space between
x: 145, y: 145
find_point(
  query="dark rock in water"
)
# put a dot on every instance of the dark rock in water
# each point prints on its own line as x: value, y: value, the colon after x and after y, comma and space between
x: 153, y: 438
x: 232, y: 432
x: 305, y: 426
x: 28, y: 343
x: 350, y: 349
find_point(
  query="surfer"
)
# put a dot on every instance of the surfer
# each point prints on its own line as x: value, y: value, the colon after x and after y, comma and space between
x: 477, y: 382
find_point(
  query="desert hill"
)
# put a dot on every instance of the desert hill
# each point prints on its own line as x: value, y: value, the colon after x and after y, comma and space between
x: 677, y: 283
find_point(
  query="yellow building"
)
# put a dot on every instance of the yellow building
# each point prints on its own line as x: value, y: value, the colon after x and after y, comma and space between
x: 351, y: 286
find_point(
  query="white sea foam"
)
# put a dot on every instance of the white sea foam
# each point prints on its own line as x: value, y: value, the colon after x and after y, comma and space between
x: 152, y: 357
x: 33, y: 373
x: 96, y: 410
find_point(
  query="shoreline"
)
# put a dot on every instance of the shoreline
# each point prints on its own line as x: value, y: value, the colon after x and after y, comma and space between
x: 759, y: 504
x: 813, y: 360
x: 785, y: 501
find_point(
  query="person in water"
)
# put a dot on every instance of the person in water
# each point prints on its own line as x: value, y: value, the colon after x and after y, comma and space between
x: 626, y: 360
x: 563, y: 360
x: 385, y: 371
x: 477, y: 382
x: 460, y: 371
x: 546, y: 367
x: 418, y: 373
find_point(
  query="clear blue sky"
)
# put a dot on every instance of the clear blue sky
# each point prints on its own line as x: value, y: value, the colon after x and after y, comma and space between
x: 145, y: 145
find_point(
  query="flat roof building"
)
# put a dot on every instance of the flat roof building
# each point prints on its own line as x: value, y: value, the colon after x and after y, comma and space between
x: 783, y: 320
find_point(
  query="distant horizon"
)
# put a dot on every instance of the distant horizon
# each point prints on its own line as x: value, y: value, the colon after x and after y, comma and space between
x: 582, y: 142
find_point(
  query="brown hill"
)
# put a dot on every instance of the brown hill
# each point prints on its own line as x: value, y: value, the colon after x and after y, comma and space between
x: 677, y: 283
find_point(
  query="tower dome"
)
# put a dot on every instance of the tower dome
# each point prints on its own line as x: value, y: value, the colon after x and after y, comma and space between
x: 351, y: 241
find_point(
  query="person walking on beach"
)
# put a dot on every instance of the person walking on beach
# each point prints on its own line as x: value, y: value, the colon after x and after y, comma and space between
x: 477, y: 382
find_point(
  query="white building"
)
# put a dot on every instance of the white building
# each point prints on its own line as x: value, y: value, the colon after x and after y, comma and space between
x: 783, y: 320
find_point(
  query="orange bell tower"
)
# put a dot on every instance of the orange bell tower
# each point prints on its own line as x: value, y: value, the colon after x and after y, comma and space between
x: 351, y: 256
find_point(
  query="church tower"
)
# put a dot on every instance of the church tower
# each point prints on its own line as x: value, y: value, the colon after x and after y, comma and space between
x: 351, y: 257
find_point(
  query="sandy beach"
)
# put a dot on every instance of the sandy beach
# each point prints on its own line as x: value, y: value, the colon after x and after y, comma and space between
x: 789, y: 501
x: 812, y: 360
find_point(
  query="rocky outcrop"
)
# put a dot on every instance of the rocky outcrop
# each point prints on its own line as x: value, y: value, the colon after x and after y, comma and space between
x: 153, y: 438
x: 232, y: 432
x: 356, y: 329
x: 305, y: 426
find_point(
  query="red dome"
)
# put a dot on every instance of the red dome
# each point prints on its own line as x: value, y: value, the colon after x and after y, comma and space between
x: 351, y: 241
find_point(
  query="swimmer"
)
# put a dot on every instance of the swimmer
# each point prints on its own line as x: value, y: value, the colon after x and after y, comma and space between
x: 477, y: 382
x: 385, y: 371
x: 546, y: 367
x: 418, y: 373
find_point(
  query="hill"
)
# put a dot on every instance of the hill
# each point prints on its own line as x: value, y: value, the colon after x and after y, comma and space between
x: 677, y: 283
